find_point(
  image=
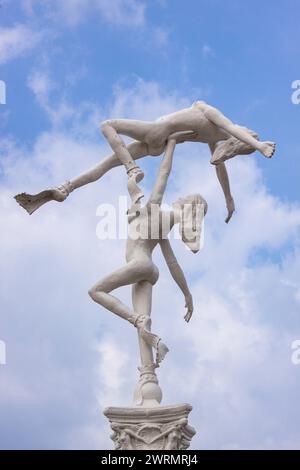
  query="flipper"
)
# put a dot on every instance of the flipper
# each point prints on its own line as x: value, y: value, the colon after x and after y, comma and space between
x: 31, y: 202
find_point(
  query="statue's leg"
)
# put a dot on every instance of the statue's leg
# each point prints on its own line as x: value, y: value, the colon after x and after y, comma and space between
x: 31, y: 202
x: 112, y: 129
x: 142, y: 303
x: 148, y: 391
x: 138, y: 130
x: 123, y: 276
x: 131, y: 273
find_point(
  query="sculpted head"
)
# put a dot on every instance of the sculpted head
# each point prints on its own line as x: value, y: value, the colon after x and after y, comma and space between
x: 189, y: 212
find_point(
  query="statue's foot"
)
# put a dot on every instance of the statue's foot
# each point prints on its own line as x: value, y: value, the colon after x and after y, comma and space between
x: 31, y: 202
x: 142, y: 323
x: 267, y: 149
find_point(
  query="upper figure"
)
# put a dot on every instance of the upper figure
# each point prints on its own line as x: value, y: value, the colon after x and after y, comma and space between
x: 198, y: 123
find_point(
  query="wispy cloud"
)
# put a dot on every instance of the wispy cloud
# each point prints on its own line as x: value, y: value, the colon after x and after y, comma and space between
x: 73, y: 12
x: 82, y: 119
x: 207, y: 51
x: 17, y: 41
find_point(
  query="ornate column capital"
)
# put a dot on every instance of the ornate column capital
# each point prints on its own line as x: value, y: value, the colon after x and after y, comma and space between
x: 158, y: 428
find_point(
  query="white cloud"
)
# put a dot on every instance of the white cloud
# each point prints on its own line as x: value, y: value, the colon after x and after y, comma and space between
x: 40, y: 84
x: 81, y: 120
x: 17, y: 41
x: 112, y: 380
x: 144, y: 100
x: 73, y: 12
x: 127, y: 12
x: 66, y: 354
x: 160, y: 37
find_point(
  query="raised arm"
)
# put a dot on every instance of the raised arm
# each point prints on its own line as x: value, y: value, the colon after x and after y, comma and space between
x: 214, y: 115
x: 177, y: 275
x: 163, y: 173
x: 166, y: 165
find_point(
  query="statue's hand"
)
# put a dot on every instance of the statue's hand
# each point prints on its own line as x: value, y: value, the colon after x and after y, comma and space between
x: 183, y: 136
x: 190, y: 307
x: 230, y: 208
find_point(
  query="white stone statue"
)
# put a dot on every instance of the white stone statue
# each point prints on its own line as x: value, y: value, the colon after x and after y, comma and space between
x: 208, y: 125
x: 149, y: 425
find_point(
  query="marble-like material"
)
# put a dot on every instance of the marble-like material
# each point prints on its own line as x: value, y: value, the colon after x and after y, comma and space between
x: 162, y: 428
x: 149, y: 425
x: 200, y: 122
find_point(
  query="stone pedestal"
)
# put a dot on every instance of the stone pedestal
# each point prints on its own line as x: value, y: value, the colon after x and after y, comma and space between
x: 148, y: 425
x: 155, y: 428
x: 148, y: 392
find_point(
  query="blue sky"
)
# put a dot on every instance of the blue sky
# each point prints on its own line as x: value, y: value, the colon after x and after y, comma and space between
x: 241, y: 56
x: 67, y: 66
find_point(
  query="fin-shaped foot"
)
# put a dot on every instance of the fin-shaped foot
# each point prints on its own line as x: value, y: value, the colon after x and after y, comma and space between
x: 31, y: 202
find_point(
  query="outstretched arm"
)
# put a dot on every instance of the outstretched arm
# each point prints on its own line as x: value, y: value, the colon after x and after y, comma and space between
x: 166, y: 165
x: 163, y: 174
x: 224, y: 182
x: 214, y: 115
x: 177, y: 275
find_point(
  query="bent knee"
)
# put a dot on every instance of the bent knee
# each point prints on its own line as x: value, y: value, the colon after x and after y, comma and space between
x: 105, y: 124
x: 92, y: 291
x: 97, y: 290
x: 108, y: 124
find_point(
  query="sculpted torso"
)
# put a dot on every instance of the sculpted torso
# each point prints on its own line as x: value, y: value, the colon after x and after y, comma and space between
x: 146, y: 228
x: 187, y: 119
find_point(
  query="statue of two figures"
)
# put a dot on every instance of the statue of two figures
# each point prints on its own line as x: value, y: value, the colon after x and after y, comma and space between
x: 148, y: 227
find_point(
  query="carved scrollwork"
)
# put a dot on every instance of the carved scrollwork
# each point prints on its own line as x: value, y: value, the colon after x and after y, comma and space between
x: 154, y: 436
